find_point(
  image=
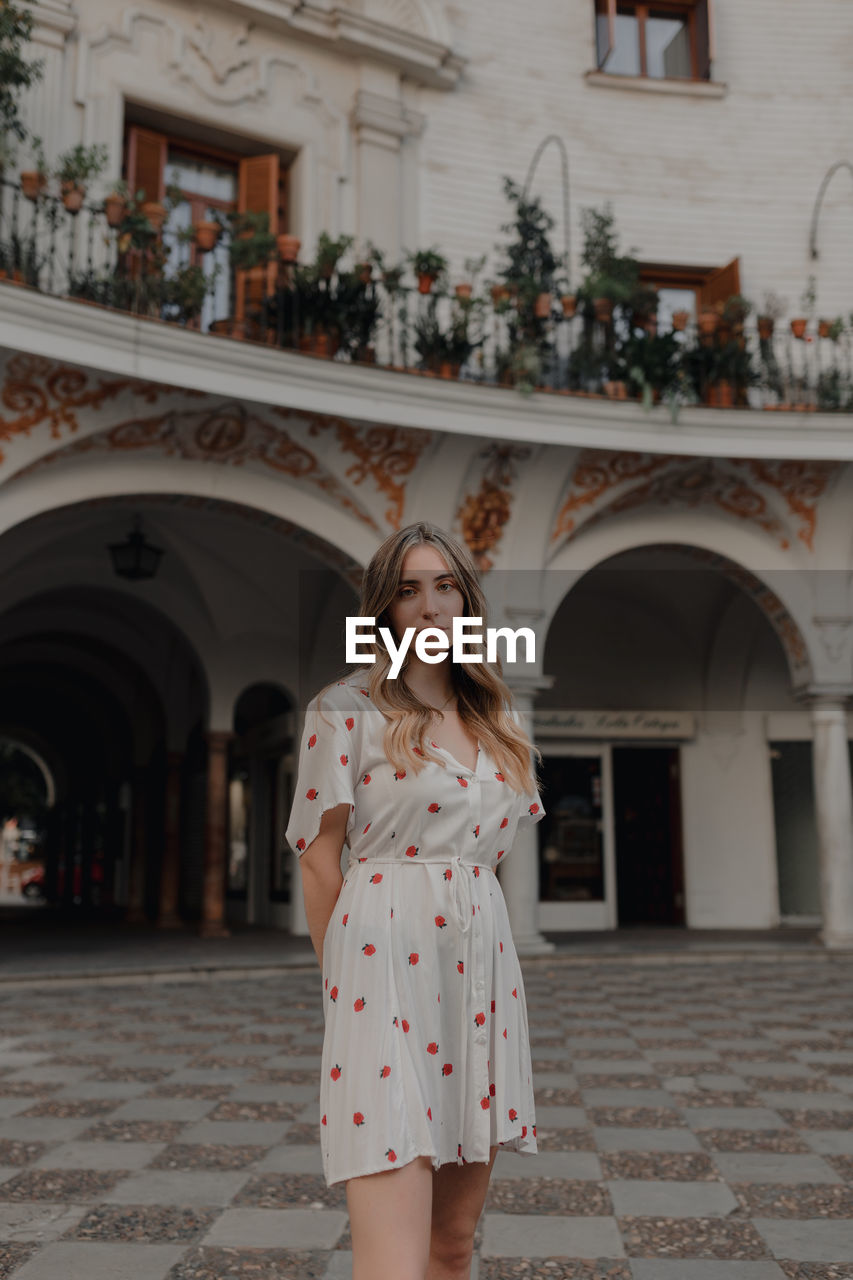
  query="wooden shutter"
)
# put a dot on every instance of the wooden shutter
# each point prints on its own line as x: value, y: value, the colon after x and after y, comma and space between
x: 721, y: 284
x: 257, y: 192
x: 704, y: 39
x: 146, y: 162
x: 609, y: 7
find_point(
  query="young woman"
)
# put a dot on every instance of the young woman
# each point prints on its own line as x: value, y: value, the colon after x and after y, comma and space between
x: 426, y: 1058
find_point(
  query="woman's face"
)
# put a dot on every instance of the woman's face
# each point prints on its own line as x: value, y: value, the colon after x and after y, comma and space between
x: 427, y: 594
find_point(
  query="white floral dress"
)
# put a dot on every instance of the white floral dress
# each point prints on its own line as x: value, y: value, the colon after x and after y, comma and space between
x: 426, y: 1048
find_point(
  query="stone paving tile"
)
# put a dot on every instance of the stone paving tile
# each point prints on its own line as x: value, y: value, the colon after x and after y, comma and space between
x: 12, y: 1256
x: 99, y: 1155
x: 549, y: 1196
x: 37, y: 1222
x: 659, y: 1165
x: 251, y: 1264
x: 82, y: 1260
x: 144, y: 1224
x: 639, y: 1117
x: 806, y: 1200
x: 166, y: 1186
x: 782, y: 1140
x: 268, y: 1228
x: 817, y: 1119
x: 809, y: 1239
x: 645, y: 1198
x: 660, y: 1237
x: 19, y: 1152
x: 543, y: 1236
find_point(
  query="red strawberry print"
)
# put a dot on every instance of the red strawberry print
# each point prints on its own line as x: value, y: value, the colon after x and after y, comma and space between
x: 491, y: 1090
x: 534, y: 1131
x: 432, y: 1047
x: 504, y: 823
x: 404, y: 1024
x: 501, y: 945
x: 460, y: 966
x: 364, y: 691
x: 433, y: 808
x: 448, y: 873
x: 357, y: 1118
x: 369, y: 949
x: 479, y: 1019
x: 344, y: 759
x: 476, y: 873
x: 493, y: 1007
x: 391, y: 1154
x: 349, y: 722
x: 512, y: 1113
x: 459, y: 1151
x: 413, y: 957
x: 447, y: 1069
x: 326, y: 984
x: 359, y: 1004
x: 524, y: 1131
x: 300, y: 844
x: 504, y: 1033
x: 477, y: 829
x: 366, y: 829
x: 312, y: 741
x: 333, y: 994
x: 417, y: 751
x: 500, y: 777
x: 363, y: 859
x: 311, y: 793
x: 323, y: 1121
x: 463, y: 782
x: 534, y: 808
x: 345, y: 918
x: 515, y: 992
x: 384, y: 1072
x: 365, y: 779
x: 485, y: 1103
x: 335, y: 1072
x: 399, y: 774
x: 429, y: 1112
x: 441, y: 922
x: 500, y: 854
x: 376, y: 877
x: 411, y: 851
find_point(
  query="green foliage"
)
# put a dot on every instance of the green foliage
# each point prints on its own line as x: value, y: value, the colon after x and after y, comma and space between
x: 330, y: 252
x: 78, y: 164
x: 252, y: 243
x: 16, y: 72
x: 451, y: 343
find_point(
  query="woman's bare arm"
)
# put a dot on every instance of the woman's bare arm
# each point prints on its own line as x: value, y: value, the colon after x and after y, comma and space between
x: 320, y: 865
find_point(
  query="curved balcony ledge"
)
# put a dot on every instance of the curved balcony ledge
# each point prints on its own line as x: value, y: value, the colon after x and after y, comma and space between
x: 113, y: 342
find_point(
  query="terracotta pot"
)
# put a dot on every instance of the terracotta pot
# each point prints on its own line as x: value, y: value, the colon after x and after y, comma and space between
x: 542, y: 306
x: 708, y: 322
x: 73, y: 196
x: 449, y: 369
x: 721, y: 395
x: 464, y: 291
x: 115, y: 208
x: 366, y: 355
x: 798, y: 326
x: 33, y: 183
x: 364, y: 271
x: 603, y: 308
x: 425, y: 282
x: 155, y: 212
x: 766, y: 325
x: 616, y: 390
x: 823, y: 328
x: 500, y: 293
x: 680, y: 320
x: 206, y: 235
x: 288, y: 247
x: 569, y: 303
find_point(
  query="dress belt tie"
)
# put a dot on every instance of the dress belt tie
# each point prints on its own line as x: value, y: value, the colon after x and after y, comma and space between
x: 460, y: 885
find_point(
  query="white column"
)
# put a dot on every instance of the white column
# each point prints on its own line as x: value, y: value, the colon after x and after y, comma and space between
x: 834, y: 812
x: 381, y: 124
x: 519, y: 875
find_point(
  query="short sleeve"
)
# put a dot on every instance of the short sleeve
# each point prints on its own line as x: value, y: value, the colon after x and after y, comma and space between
x: 531, y: 808
x: 326, y: 772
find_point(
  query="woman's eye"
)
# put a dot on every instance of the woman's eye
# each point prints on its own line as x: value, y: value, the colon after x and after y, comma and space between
x: 449, y: 585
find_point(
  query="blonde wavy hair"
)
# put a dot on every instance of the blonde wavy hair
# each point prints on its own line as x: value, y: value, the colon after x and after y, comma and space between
x: 484, y: 700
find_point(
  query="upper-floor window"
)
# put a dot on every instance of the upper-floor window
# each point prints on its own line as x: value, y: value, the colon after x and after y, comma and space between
x: 664, y: 39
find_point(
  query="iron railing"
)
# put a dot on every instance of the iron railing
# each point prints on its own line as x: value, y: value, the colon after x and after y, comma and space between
x: 498, y: 336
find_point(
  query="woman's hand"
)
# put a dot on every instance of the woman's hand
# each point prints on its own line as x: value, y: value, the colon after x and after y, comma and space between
x: 320, y: 865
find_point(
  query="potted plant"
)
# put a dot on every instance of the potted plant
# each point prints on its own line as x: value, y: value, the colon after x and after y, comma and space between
x: 75, y: 168
x: 252, y: 243
x: 16, y: 71
x: 288, y: 246
x: 569, y: 302
x: 330, y: 251
x: 831, y: 329
x: 429, y: 266
x: 115, y: 203
x: 808, y: 298
x: 206, y: 233
x: 680, y: 320
x: 651, y: 362
x: 772, y: 309
x: 34, y: 181
x: 708, y: 320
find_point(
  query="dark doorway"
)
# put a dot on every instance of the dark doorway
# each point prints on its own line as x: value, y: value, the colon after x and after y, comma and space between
x: 647, y: 821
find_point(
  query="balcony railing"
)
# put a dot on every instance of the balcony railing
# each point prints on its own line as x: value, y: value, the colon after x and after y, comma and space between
x: 497, y: 336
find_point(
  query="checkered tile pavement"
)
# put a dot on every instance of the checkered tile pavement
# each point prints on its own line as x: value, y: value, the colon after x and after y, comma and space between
x: 695, y: 1122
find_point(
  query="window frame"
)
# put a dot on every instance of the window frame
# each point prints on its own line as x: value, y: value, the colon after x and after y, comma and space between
x: 686, y: 9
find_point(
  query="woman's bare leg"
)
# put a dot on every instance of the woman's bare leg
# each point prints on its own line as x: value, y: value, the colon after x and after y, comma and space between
x: 389, y: 1215
x: 458, y: 1195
